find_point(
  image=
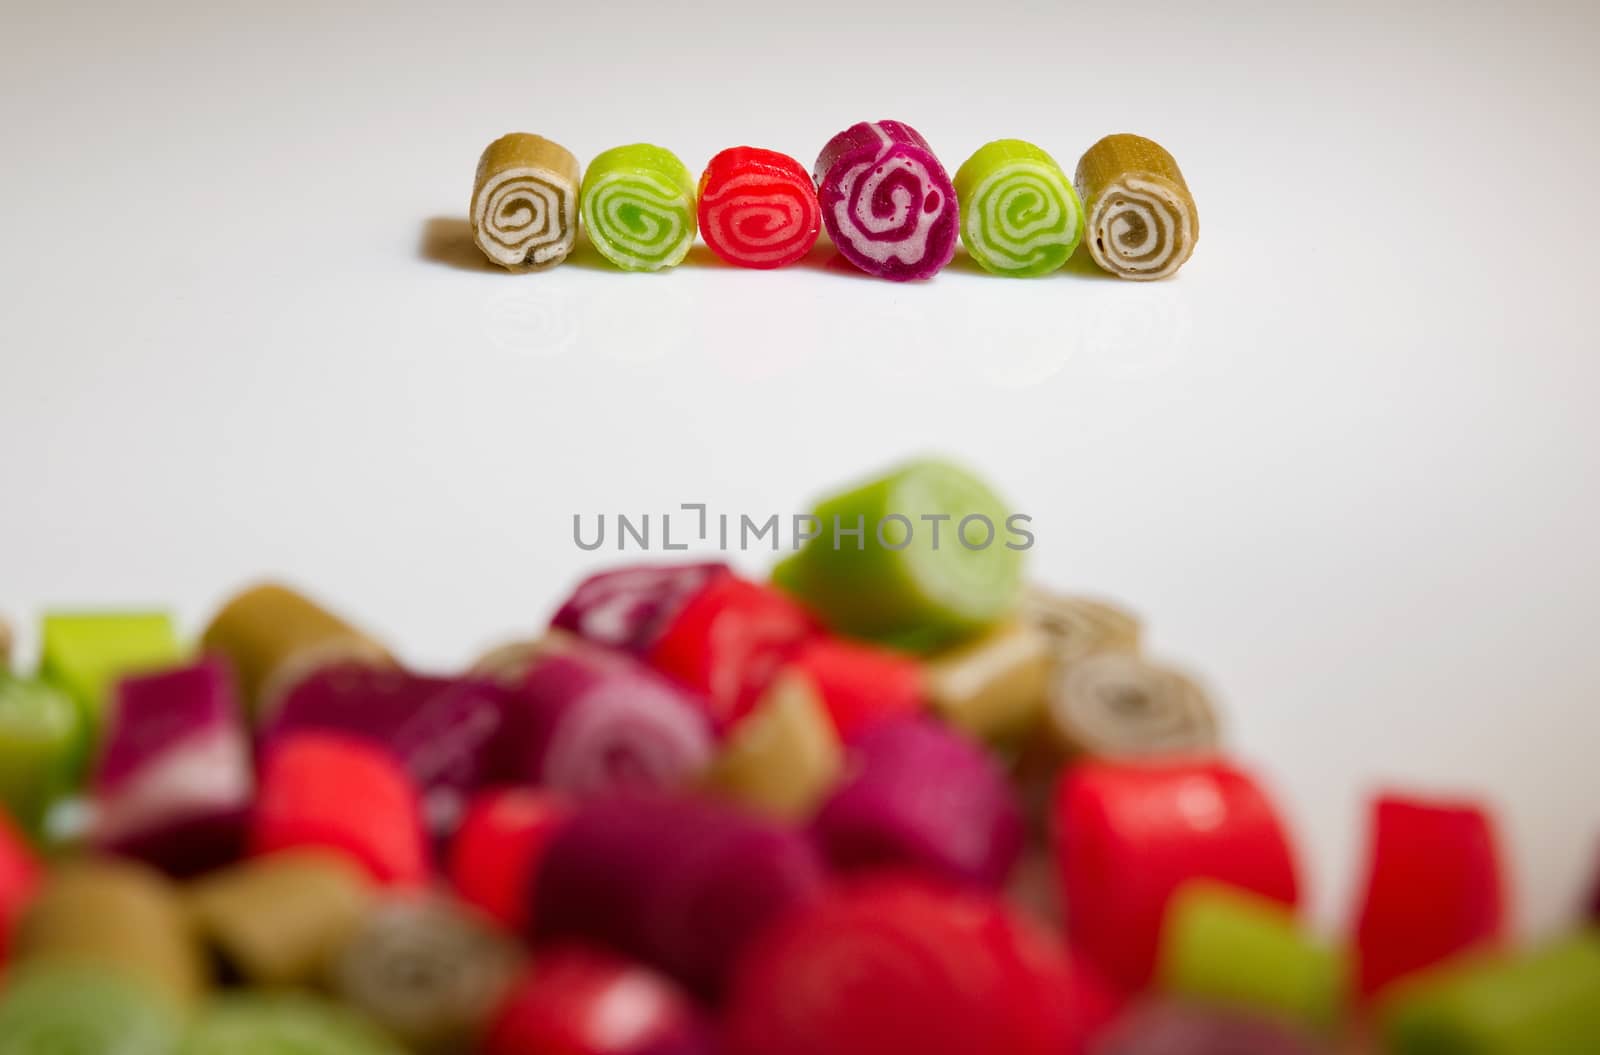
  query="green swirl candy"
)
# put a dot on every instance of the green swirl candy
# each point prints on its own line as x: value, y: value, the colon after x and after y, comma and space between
x: 638, y: 206
x: 79, y: 1011
x: 283, y: 1024
x: 1020, y: 215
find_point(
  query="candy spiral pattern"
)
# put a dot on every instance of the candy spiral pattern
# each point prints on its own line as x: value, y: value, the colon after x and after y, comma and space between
x: 1117, y: 705
x: 1019, y: 215
x: 1142, y: 222
x: 758, y: 208
x: 427, y: 972
x: 62, y: 1010
x: 525, y: 202
x: 638, y: 204
x: 1080, y: 626
x: 888, y: 204
x: 618, y: 736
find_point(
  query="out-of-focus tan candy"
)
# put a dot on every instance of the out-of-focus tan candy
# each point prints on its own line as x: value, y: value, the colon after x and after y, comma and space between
x: 1118, y: 705
x: 784, y: 756
x: 1080, y: 626
x: 993, y: 686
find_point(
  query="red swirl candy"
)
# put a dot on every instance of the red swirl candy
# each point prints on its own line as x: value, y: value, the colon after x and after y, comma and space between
x: 758, y: 208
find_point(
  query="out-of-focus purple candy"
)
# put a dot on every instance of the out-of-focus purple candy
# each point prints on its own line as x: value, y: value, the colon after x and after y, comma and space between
x: 917, y: 795
x: 1177, y: 1029
x: 680, y: 883
x: 173, y: 783
x: 441, y: 730
x: 626, y: 608
x: 588, y: 721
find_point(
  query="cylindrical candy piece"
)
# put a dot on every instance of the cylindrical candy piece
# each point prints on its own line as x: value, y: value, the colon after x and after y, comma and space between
x: 1080, y: 626
x: 918, y: 557
x: 1020, y: 216
x: 994, y: 685
x: 1434, y: 887
x: 892, y: 965
x: 679, y: 883
x: 758, y: 208
x: 784, y: 756
x: 114, y: 916
x: 335, y: 792
x: 1142, y: 222
x: 861, y: 685
x: 1181, y: 1029
x: 728, y: 643
x: 587, y: 721
x: 427, y: 971
x: 638, y: 206
x: 86, y: 653
x: 888, y: 204
x: 578, y: 1001
x: 442, y: 730
x: 627, y: 608
x: 501, y: 839
x: 41, y: 741
x: 273, y: 637
x: 1545, y: 1002
x: 83, y: 1011
x: 1166, y: 823
x: 1221, y: 945
x: 525, y: 202
x: 1120, y: 705
x: 286, y: 1023
x: 174, y: 779
x: 279, y: 920
x: 922, y: 798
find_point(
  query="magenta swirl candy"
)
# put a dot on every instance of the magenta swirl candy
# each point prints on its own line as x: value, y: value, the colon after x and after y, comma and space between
x: 887, y: 203
x: 588, y: 721
x: 924, y: 798
x: 627, y: 608
x: 681, y: 883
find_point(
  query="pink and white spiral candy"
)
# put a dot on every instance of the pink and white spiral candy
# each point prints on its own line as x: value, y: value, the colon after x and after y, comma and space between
x: 887, y: 203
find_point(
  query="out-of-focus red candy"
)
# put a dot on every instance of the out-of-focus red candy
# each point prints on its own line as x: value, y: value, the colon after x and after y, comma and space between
x: 728, y: 643
x: 861, y: 685
x: 19, y: 878
x: 890, y: 965
x: 683, y: 884
x: 1127, y: 835
x: 498, y: 847
x: 338, y: 792
x: 626, y: 608
x: 1434, y: 888
x: 578, y: 1001
x: 922, y: 797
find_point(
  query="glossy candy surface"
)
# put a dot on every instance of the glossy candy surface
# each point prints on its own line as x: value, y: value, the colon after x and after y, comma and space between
x: 499, y: 844
x: 638, y: 207
x: 626, y: 608
x: 1020, y: 215
x: 758, y: 208
x: 1128, y: 835
x: 886, y: 200
x: 861, y: 685
x: 340, y: 793
x: 1434, y: 888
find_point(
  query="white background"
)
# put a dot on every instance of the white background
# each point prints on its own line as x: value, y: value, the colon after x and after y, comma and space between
x: 1344, y: 464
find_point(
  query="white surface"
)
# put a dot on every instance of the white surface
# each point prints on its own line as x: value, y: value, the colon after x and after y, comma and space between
x: 1345, y: 463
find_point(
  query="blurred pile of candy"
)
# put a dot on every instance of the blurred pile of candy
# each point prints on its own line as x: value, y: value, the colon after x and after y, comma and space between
x: 893, y: 802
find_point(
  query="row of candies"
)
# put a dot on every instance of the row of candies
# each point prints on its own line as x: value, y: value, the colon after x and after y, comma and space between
x: 893, y: 801
x: 886, y: 201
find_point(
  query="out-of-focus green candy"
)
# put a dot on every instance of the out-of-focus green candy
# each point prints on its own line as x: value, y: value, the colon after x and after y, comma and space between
x: 1546, y: 1002
x: 80, y: 1011
x: 921, y: 557
x: 1226, y: 946
x: 41, y: 737
x: 86, y: 653
x: 283, y: 1024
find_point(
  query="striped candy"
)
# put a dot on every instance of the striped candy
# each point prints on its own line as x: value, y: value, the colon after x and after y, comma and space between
x: 638, y: 205
x: 758, y: 208
x: 887, y: 202
x: 1019, y: 214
